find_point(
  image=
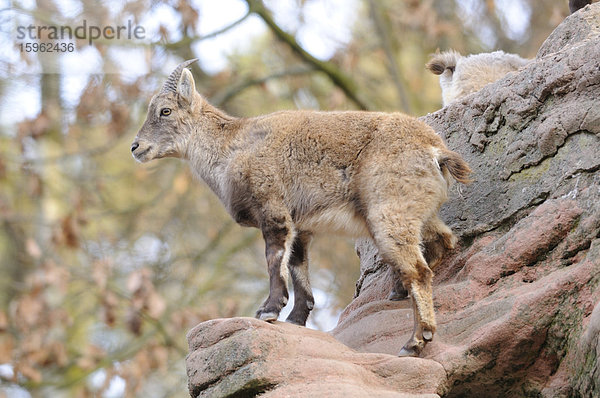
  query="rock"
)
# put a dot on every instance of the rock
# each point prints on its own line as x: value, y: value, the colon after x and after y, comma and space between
x: 245, y: 357
x: 517, y: 303
x: 577, y: 28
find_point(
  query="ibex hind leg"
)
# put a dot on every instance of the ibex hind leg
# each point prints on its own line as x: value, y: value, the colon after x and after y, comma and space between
x: 396, y: 230
x: 398, y: 291
x: 437, y: 239
x: 298, y: 266
x: 417, y: 276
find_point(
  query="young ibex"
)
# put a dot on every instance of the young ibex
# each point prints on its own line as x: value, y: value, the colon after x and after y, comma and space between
x: 460, y: 75
x: 293, y: 174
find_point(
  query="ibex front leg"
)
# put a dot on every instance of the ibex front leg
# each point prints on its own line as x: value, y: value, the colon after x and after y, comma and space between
x: 298, y: 266
x: 278, y: 233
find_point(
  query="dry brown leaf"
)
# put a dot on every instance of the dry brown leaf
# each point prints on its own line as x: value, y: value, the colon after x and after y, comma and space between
x: 30, y: 310
x: 155, y: 304
x: 100, y: 273
x: 33, y: 249
x: 109, y: 308
x: 135, y: 281
x: 92, y: 354
x: 3, y: 321
x: 133, y: 320
x: 29, y: 372
x: 7, y: 347
x: 70, y: 232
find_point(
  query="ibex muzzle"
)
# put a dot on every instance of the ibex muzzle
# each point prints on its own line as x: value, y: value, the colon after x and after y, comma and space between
x: 293, y: 174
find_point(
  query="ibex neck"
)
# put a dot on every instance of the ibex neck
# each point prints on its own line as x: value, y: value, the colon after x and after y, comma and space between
x: 208, y: 152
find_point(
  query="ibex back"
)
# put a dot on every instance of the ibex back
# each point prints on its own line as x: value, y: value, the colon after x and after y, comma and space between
x: 293, y: 174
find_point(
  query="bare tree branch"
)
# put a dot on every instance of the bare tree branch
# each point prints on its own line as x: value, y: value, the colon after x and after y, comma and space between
x: 337, y: 76
x: 188, y: 40
x: 225, y: 95
x: 226, y: 28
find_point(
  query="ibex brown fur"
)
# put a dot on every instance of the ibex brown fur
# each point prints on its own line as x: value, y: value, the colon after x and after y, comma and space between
x: 293, y: 174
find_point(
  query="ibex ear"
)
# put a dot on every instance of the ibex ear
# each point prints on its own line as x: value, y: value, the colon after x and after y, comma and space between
x: 186, y: 87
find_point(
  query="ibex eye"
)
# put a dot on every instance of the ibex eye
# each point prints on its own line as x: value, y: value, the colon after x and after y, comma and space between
x: 165, y: 112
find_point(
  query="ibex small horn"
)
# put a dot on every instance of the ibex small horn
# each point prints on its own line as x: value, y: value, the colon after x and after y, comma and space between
x: 171, y: 83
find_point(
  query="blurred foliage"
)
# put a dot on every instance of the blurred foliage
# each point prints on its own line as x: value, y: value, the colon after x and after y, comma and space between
x: 107, y: 263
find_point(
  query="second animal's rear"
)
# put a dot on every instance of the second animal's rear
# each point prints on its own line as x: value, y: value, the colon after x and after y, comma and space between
x: 460, y: 76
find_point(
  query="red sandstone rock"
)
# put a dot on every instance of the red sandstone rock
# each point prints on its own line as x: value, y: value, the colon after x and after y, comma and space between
x: 278, y: 360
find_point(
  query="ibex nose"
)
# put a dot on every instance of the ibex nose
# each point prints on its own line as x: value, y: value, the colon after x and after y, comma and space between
x: 134, y: 146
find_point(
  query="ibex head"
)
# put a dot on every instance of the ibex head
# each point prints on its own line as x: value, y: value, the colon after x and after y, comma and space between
x: 167, y: 127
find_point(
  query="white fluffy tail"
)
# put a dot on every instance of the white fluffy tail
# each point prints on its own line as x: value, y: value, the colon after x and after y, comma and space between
x: 440, y: 62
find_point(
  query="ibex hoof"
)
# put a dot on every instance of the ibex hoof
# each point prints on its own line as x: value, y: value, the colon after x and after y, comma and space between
x: 408, y: 352
x: 296, y: 321
x: 412, y: 348
x: 270, y: 316
x: 427, y: 335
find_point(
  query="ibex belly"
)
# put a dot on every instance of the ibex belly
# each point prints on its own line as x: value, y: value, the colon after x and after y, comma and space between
x: 339, y: 220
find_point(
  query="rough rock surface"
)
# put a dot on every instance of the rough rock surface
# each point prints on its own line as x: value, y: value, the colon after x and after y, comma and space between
x: 247, y: 357
x: 518, y: 302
